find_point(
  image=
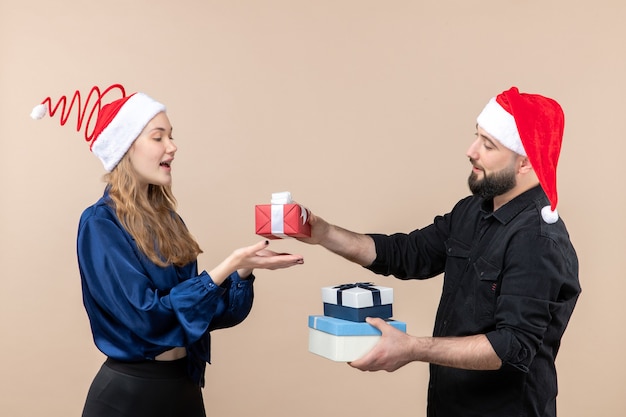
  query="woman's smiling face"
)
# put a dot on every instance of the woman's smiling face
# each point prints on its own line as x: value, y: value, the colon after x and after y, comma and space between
x: 152, y: 153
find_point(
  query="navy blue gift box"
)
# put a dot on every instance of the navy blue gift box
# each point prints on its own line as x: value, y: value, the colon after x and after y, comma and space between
x: 355, y: 302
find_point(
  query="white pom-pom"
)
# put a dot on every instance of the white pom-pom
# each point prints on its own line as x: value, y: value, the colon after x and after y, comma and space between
x: 549, y: 216
x: 39, y: 111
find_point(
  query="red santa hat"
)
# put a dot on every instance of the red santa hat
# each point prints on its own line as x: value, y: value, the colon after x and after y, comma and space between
x: 530, y: 125
x: 118, y: 123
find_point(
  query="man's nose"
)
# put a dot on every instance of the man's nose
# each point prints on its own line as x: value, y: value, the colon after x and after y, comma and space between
x: 472, y: 151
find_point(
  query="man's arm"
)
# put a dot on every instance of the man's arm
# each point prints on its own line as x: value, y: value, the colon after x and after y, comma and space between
x: 395, y: 349
x: 356, y: 247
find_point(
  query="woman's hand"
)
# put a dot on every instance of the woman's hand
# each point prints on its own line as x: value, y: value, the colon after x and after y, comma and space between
x: 257, y: 256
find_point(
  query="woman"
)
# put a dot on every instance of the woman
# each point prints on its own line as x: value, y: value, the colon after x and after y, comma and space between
x: 150, y: 310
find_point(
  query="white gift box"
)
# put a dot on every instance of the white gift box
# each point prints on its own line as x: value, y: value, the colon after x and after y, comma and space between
x: 358, y: 295
x: 342, y: 340
x: 340, y: 348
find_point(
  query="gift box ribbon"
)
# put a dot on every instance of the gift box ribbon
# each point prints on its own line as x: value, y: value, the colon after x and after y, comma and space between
x: 277, y: 217
x: 365, y: 285
x: 278, y: 220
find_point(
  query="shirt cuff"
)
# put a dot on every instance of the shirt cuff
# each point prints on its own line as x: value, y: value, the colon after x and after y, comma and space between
x: 236, y: 278
x: 379, y: 266
x: 509, y: 350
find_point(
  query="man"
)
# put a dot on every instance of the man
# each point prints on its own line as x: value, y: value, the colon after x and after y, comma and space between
x: 510, y: 271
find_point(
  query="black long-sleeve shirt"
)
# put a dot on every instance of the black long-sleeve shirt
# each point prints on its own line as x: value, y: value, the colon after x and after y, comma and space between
x: 508, y: 275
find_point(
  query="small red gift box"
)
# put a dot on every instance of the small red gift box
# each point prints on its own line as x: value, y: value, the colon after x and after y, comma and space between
x: 282, y: 218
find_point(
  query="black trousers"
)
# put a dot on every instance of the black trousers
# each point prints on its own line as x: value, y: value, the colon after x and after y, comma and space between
x: 144, y: 389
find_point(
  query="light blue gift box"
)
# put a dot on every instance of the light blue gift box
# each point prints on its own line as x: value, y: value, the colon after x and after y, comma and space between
x: 343, y: 340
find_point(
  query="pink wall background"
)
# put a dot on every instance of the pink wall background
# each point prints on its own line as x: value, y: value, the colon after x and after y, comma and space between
x: 363, y: 110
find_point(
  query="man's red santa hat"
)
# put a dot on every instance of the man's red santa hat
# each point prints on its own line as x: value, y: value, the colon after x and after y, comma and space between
x: 118, y: 123
x: 530, y: 125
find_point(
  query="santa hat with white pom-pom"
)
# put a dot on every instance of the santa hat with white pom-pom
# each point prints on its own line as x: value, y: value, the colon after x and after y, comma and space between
x: 530, y: 125
x: 118, y: 123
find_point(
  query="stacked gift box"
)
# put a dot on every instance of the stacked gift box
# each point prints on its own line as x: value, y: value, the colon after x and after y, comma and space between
x: 342, y: 334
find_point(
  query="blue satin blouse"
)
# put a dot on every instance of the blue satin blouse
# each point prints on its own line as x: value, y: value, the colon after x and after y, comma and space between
x: 137, y: 309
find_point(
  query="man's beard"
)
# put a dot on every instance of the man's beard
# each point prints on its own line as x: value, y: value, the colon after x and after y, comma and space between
x: 494, y: 184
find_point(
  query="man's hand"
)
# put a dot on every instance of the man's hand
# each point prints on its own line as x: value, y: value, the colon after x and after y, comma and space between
x: 393, y: 351
x: 319, y: 229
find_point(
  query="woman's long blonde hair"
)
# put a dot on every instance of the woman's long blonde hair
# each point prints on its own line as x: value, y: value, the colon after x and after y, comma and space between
x: 151, y: 218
